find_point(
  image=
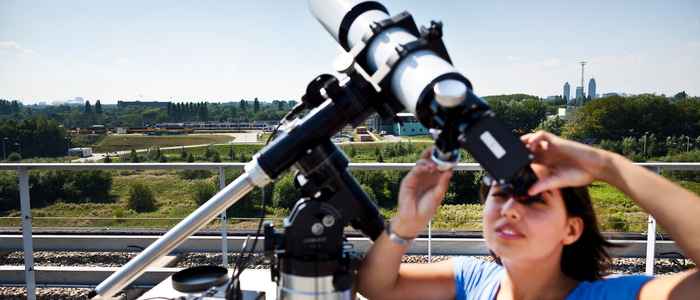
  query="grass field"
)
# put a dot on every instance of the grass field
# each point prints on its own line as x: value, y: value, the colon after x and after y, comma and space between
x: 175, y: 201
x: 114, y: 143
x: 174, y: 198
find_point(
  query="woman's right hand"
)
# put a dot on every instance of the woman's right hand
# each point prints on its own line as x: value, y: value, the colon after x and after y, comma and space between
x: 421, y: 192
x: 570, y: 163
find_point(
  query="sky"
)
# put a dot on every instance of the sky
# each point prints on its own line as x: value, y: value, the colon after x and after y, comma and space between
x: 230, y: 50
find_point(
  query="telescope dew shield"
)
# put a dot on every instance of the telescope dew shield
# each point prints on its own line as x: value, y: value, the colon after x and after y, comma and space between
x: 411, y: 75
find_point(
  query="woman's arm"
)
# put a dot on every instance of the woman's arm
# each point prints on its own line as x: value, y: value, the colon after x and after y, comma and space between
x: 676, y: 209
x: 382, y: 276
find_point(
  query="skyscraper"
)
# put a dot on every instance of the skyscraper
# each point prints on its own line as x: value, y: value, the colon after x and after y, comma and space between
x: 567, y: 92
x: 591, y: 89
x: 579, y: 95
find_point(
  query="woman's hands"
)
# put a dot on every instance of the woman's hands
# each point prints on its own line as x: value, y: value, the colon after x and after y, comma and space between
x: 422, y: 190
x: 570, y: 163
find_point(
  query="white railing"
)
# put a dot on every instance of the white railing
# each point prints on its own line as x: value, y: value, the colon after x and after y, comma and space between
x: 23, y: 178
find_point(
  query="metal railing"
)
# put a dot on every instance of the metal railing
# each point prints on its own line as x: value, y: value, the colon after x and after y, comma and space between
x: 26, y: 217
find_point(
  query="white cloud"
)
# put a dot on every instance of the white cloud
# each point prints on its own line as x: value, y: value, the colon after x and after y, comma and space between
x: 551, y: 62
x: 122, y: 61
x: 14, y: 47
x: 512, y: 58
x: 694, y: 44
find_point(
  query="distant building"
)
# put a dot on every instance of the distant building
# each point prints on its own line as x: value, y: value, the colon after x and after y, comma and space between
x: 579, y: 95
x: 610, y: 94
x: 567, y: 92
x: 564, y: 113
x: 410, y: 126
x: 76, y: 101
x: 591, y: 89
x: 80, y: 152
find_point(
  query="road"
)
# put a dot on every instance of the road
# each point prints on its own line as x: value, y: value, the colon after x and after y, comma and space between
x: 249, y: 137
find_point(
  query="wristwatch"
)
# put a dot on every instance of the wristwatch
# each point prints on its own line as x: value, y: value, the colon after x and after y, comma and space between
x: 395, y: 238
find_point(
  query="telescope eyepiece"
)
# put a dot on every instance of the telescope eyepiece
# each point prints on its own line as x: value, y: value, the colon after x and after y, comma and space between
x: 449, y: 92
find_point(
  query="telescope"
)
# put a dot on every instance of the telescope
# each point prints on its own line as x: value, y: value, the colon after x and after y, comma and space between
x: 389, y: 66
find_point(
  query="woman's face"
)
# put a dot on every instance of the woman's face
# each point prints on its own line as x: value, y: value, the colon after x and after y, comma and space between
x: 518, y: 232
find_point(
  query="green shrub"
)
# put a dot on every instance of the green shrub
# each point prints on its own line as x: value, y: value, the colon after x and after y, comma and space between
x: 231, y: 153
x: 215, y: 157
x: 134, y: 157
x: 14, y: 156
x: 9, y: 191
x: 183, y: 154
x: 285, y: 194
x: 194, y: 174
x: 46, y: 187
x: 209, y: 152
x: 203, y: 191
x: 617, y: 222
x: 87, y: 186
x: 691, y: 156
x: 120, y: 213
x: 153, y: 154
x: 249, y: 205
x: 370, y: 193
x: 141, y: 198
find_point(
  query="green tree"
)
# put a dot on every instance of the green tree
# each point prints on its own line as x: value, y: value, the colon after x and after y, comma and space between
x: 553, y: 125
x: 256, y: 105
x: 14, y: 157
x: 520, y: 112
x: 133, y: 156
x: 141, y: 198
x: 88, y: 108
x: 183, y: 154
x: 203, y: 191
x: 231, y: 153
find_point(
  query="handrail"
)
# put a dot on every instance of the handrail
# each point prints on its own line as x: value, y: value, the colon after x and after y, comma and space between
x: 23, y: 176
x: 668, y: 166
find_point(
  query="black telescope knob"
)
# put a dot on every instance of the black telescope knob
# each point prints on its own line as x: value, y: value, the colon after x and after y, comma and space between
x: 313, y: 97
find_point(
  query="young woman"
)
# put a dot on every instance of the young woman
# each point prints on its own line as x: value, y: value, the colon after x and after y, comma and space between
x: 547, y: 246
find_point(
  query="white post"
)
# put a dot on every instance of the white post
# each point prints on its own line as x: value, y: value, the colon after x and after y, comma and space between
x: 651, y: 240
x: 27, y: 233
x: 224, y: 223
x: 651, y: 243
x: 430, y: 240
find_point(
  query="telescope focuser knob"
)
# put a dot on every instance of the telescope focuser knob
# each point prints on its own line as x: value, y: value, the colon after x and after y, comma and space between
x: 449, y: 92
x: 313, y: 96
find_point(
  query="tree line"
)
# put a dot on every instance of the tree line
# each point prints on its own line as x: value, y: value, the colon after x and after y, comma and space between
x: 33, y: 137
x: 135, y: 115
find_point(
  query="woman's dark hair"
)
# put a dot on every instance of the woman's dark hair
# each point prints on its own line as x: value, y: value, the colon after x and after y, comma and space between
x: 586, y: 259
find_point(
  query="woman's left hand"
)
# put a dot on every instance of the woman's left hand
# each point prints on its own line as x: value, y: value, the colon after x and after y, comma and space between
x: 422, y: 190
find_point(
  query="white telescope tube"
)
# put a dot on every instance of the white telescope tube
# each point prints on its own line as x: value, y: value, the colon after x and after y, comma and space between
x: 413, y: 73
